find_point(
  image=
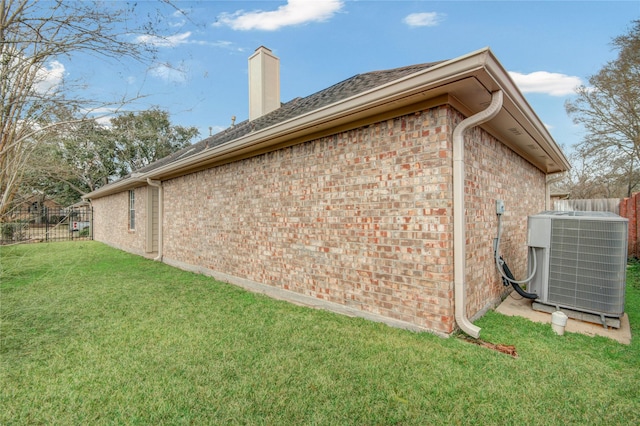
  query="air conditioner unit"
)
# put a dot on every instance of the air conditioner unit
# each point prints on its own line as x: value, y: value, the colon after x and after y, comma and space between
x: 581, y: 261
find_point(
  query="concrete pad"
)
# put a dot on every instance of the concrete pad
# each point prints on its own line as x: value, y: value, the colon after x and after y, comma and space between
x: 514, y: 305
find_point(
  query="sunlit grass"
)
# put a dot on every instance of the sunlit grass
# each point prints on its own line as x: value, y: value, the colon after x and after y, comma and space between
x: 93, y: 335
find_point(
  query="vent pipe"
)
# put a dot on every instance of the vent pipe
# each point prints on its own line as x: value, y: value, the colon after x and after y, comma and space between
x: 264, y: 83
x: 459, y: 222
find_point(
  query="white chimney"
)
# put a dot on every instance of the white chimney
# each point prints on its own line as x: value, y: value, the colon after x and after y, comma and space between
x: 264, y: 83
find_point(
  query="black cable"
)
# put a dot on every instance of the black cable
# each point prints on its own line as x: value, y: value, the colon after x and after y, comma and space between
x: 515, y: 285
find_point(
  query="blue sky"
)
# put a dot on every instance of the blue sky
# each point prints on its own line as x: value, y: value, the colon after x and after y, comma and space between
x: 200, y: 75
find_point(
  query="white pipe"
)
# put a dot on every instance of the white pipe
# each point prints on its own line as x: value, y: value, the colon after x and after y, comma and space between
x: 459, y: 223
x: 158, y: 184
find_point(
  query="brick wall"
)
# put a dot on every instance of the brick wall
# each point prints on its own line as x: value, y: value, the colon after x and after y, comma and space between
x: 111, y: 221
x: 493, y: 172
x: 362, y: 218
x: 355, y: 218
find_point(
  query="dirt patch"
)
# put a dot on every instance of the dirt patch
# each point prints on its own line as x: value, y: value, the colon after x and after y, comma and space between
x: 505, y: 349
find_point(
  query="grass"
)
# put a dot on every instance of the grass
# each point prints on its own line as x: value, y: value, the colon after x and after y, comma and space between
x: 93, y: 335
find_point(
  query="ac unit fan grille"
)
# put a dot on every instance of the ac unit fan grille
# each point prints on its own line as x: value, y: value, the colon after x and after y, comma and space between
x: 587, y: 265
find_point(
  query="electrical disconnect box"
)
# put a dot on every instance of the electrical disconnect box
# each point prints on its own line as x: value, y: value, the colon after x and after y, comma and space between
x: 499, y: 206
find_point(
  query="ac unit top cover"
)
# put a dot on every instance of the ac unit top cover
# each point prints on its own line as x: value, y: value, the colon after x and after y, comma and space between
x: 608, y: 216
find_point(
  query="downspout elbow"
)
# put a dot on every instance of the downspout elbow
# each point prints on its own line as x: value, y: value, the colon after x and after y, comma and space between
x: 459, y: 222
x: 158, y: 184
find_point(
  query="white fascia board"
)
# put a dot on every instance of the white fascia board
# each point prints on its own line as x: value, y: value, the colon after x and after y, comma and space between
x: 384, y: 97
x: 115, y: 187
x: 311, y: 121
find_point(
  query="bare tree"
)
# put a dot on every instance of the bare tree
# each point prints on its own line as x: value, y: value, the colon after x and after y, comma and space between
x: 36, y: 97
x: 609, y: 109
x: 599, y: 177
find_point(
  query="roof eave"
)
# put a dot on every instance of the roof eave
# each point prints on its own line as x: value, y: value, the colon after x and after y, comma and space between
x: 390, y: 94
x: 412, y: 89
x: 518, y: 107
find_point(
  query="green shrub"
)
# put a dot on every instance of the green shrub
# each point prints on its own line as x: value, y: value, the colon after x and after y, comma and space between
x: 13, y: 231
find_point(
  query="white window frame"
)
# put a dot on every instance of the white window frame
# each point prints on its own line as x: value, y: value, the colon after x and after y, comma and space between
x: 132, y: 210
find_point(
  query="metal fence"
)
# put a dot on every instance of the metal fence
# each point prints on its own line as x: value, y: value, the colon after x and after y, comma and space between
x: 31, y: 225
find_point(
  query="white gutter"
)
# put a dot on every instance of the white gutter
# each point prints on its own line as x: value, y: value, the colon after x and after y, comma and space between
x: 158, y: 184
x: 459, y: 223
x: 386, y: 94
x: 480, y: 65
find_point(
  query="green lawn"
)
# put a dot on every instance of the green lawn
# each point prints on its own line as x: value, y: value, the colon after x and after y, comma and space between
x: 93, y: 335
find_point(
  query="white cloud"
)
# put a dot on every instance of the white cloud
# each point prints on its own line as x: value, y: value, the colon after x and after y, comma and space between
x: 169, y: 41
x: 104, y: 121
x: 550, y: 83
x: 179, y: 16
x: 424, y: 19
x: 103, y: 116
x: 222, y: 44
x: 169, y: 73
x: 49, y: 78
x: 295, y: 12
x: 183, y: 38
x: 178, y: 24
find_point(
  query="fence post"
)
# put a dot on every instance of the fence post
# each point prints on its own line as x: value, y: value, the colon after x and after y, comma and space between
x: 631, y: 215
x: 72, y: 218
x: 46, y: 223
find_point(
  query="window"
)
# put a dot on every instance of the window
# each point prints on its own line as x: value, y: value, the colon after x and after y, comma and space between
x: 132, y: 210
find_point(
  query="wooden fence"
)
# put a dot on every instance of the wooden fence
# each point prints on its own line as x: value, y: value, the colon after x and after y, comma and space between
x: 625, y: 207
x: 630, y: 208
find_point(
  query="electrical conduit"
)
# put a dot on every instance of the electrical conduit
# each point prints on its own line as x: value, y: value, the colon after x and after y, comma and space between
x: 459, y: 225
x: 158, y: 184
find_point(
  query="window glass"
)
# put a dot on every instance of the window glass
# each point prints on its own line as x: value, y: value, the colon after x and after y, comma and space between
x: 132, y: 210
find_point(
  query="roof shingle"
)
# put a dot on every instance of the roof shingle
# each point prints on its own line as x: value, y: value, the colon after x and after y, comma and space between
x: 345, y: 89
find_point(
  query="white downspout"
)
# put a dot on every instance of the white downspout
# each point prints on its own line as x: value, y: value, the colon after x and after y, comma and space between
x: 158, y: 184
x: 550, y: 180
x: 459, y: 225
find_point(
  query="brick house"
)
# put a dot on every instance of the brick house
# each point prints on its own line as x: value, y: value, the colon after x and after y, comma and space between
x: 374, y: 197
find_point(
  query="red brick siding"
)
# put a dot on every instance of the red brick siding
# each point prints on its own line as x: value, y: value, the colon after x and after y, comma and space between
x: 493, y: 172
x: 362, y: 218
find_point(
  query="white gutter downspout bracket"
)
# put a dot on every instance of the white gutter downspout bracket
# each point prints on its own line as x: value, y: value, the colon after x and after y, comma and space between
x: 158, y: 184
x: 459, y: 219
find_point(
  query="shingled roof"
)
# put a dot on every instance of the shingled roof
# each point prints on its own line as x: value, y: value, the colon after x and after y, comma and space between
x: 352, y: 86
x: 466, y: 82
